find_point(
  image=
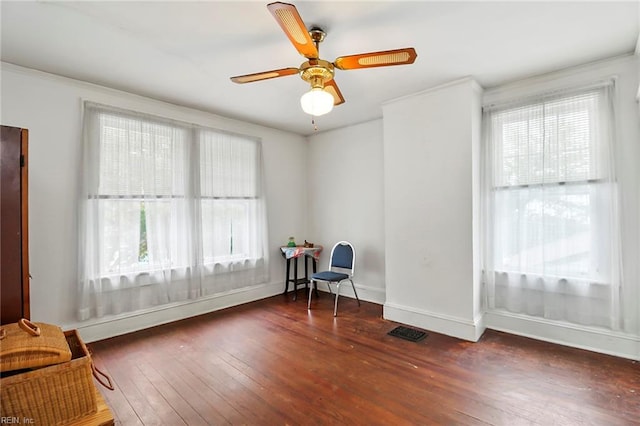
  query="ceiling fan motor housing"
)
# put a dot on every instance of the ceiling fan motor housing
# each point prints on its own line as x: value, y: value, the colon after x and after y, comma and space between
x: 317, y: 72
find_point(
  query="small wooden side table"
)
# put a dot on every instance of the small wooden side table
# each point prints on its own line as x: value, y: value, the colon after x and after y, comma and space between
x: 294, y: 253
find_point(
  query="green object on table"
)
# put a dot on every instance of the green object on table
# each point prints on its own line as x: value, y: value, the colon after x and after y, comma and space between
x: 292, y: 242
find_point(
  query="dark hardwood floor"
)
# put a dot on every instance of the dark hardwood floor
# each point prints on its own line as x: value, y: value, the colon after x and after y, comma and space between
x: 273, y: 363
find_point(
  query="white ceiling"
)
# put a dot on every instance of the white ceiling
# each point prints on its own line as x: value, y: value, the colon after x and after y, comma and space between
x: 184, y: 52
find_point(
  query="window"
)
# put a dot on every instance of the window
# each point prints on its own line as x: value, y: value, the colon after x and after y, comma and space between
x: 170, y: 206
x: 551, y: 238
x: 141, y: 178
x: 546, y: 173
x: 230, y: 196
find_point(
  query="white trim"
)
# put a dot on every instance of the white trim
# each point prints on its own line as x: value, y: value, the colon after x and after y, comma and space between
x: 469, y: 79
x: 567, y: 334
x: 371, y: 294
x: 375, y: 295
x: 550, y: 95
x: 439, y: 323
x: 557, y: 80
x: 116, y: 325
x: 637, y: 54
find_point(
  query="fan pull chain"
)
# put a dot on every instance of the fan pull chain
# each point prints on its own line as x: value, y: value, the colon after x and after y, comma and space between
x: 313, y: 123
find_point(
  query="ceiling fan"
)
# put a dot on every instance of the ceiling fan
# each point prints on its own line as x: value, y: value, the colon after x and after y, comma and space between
x: 324, y: 93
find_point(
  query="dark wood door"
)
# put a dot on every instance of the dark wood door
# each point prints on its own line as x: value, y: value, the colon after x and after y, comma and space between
x: 14, y: 249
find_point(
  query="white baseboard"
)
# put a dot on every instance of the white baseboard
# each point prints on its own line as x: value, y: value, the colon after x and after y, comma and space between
x: 444, y: 324
x: 104, y: 328
x: 592, y: 339
x: 366, y: 293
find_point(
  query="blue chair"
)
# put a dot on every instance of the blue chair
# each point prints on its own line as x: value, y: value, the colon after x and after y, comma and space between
x: 341, y: 267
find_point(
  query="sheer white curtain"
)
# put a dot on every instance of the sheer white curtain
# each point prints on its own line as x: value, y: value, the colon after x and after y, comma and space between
x: 551, y: 230
x: 143, y: 241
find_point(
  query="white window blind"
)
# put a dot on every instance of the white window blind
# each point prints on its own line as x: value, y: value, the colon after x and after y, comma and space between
x: 548, y: 142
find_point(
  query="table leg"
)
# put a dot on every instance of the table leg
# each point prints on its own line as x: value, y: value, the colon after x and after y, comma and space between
x: 295, y: 278
x: 306, y: 274
x: 286, y: 277
x: 314, y: 266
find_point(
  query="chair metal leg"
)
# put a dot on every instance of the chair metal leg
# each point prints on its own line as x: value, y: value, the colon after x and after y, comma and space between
x: 354, y: 291
x: 335, y: 308
x: 337, y: 295
x: 311, y: 291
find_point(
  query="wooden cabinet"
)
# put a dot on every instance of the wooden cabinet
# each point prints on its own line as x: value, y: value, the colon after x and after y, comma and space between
x: 14, y: 236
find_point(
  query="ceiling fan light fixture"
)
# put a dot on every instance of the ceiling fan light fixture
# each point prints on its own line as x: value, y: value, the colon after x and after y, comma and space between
x: 316, y: 102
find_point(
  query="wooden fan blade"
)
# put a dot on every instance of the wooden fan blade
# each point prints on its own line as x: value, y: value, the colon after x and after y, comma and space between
x: 265, y: 75
x: 291, y: 23
x: 377, y: 59
x: 332, y: 88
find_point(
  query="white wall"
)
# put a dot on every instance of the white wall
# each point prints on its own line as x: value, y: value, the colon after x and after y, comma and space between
x: 50, y: 107
x: 345, y: 200
x: 429, y: 182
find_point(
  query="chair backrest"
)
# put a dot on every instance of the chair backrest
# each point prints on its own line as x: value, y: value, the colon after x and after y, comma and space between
x: 343, y: 256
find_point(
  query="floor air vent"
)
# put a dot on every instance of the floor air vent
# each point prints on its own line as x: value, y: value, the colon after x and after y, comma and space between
x: 407, y: 333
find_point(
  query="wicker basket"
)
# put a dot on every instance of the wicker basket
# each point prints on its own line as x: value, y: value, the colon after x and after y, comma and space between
x: 31, y: 345
x: 53, y: 395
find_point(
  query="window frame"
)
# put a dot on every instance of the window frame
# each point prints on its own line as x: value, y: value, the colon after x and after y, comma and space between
x: 498, y: 167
